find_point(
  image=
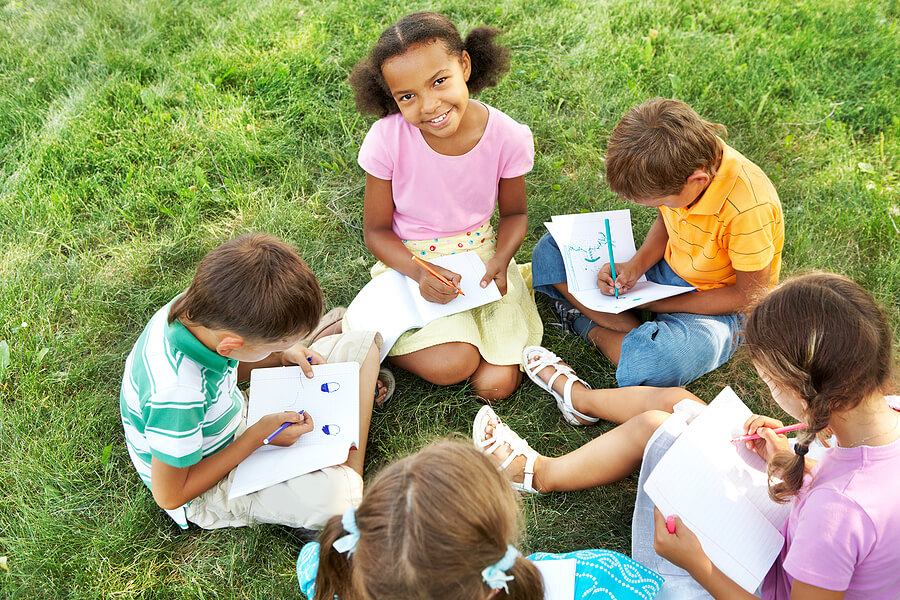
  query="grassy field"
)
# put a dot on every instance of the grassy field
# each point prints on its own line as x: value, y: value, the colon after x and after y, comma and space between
x: 135, y: 135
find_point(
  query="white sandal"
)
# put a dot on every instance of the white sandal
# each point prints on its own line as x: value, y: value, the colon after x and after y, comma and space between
x: 502, y: 434
x: 546, y: 358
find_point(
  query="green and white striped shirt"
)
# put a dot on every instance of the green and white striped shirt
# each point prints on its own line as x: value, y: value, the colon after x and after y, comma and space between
x: 179, y: 399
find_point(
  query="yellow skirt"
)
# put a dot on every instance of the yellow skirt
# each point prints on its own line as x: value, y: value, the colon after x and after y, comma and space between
x: 500, y: 330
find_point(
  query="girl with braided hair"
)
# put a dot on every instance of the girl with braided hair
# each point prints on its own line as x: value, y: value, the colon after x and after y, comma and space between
x: 823, y: 347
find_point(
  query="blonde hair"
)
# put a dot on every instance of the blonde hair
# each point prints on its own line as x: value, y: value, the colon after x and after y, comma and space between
x: 428, y: 525
x: 824, y: 337
x: 656, y: 146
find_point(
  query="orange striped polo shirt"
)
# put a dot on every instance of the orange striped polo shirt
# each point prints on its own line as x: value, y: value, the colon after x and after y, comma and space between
x: 737, y: 224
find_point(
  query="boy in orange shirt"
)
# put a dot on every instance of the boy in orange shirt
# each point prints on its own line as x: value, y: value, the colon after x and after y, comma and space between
x: 719, y: 228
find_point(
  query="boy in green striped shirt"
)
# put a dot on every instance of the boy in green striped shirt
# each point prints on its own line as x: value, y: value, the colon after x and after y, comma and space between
x: 250, y: 304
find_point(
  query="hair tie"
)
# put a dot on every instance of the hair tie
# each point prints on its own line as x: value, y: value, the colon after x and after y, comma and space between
x: 348, y: 542
x: 801, y: 450
x: 495, y: 575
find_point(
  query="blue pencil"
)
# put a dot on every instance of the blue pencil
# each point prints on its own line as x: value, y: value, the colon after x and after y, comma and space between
x: 612, y: 261
x: 284, y: 426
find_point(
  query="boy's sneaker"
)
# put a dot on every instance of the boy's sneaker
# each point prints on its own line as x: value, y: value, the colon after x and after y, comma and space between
x: 573, y: 320
x: 567, y: 315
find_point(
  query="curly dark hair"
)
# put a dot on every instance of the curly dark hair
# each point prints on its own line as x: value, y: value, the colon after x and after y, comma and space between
x: 490, y: 61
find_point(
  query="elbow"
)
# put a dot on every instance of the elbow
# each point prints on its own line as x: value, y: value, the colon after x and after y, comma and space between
x: 367, y: 238
x: 167, y: 501
x: 370, y: 234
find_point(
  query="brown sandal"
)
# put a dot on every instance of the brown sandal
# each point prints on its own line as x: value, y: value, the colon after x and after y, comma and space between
x: 386, y: 380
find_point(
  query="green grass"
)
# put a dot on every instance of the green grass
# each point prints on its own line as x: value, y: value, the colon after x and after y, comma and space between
x: 137, y: 135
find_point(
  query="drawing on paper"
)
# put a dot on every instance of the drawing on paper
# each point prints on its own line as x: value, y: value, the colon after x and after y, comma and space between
x: 591, y: 253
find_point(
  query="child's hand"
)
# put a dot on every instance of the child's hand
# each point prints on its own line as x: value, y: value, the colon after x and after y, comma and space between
x: 681, y: 548
x: 770, y: 443
x: 302, y: 356
x: 495, y: 271
x: 627, y: 275
x: 300, y: 423
x: 435, y: 290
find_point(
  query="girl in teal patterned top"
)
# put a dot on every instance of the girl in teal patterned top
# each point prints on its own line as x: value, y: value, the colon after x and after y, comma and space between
x: 443, y: 523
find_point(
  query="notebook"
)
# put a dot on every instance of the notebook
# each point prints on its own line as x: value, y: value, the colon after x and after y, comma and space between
x: 331, y: 397
x: 391, y: 303
x: 582, y: 241
x: 720, y: 491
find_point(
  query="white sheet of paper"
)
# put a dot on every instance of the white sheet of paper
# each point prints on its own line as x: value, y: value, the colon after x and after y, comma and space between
x: 719, y: 489
x: 391, y: 303
x: 582, y: 241
x: 559, y: 578
x: 286, y: 388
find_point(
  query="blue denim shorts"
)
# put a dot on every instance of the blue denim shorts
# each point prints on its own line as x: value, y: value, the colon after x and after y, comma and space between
x: 672, y: 349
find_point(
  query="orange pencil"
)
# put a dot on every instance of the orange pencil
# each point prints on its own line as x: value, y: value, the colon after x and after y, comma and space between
x: 443, y: 279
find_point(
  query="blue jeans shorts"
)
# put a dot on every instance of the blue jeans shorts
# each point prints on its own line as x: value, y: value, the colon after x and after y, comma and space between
x: 672, y: 349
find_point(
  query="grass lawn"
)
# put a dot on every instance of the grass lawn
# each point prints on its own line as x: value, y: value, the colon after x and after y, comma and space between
x: 136, y: 135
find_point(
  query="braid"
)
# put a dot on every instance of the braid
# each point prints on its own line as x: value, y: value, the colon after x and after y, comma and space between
x: 790, y: 467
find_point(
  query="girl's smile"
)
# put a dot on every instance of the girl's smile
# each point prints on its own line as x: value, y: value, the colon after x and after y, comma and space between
x: 429, y: 85
x: 439, y: 121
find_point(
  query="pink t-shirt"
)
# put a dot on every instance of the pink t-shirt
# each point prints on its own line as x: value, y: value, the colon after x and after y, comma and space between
x: 843, y: 532
x: 436, y: 195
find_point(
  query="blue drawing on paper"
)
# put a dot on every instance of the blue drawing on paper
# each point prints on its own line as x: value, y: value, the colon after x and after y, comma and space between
x: 331, y: 387
x: 331, y: 429
x: 585, y: 257
x: 593, y: 252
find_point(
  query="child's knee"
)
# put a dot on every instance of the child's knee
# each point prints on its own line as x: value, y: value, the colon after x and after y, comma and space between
x: 649, y: 421
x: 455, y: 366
x: 372, y: 356
x: 497, y: 383
x: 669, y: 397
x: 546, y: 247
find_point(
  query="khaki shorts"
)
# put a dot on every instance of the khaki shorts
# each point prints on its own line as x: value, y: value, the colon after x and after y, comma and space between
x: 305, y: 501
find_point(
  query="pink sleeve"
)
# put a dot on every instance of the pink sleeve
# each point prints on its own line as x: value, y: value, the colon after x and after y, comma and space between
x: 518, y: 151
x: 833, y: 535
x: 375, y: 155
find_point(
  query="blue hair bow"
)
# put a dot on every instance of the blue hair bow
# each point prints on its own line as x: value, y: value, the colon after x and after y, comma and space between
x: 495, y: 575
x: 348, y: 542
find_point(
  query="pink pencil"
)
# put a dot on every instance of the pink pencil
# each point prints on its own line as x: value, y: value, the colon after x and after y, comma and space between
x: 756, y: 436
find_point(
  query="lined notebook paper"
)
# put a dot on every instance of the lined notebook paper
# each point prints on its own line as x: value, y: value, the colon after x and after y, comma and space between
x: 719, y: 489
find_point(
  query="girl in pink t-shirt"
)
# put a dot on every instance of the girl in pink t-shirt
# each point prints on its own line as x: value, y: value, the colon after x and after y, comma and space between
x: 823, y: 347
x: 437, y: 165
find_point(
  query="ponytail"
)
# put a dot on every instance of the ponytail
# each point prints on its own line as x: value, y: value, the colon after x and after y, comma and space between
x: 335, y: 576
x: 790, y: 467
x: 527, y: 583
x: 490, y: 61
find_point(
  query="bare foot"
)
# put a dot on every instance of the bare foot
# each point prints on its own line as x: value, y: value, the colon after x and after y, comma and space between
x: 515, y: 471
x: 380, y: 394
x: 579, y: 391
